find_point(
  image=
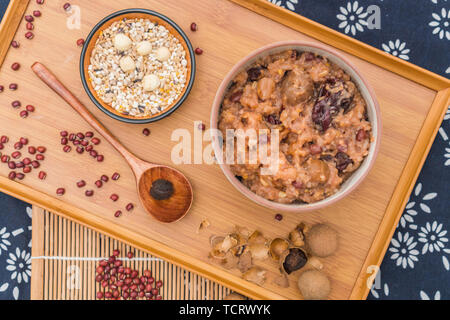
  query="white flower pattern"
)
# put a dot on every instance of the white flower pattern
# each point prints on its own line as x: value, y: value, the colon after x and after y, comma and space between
x: 403, y: 250
x: 289, y: 4
x: 4, y: 242
x: 352, y: 18
x: 424, y: 296
x: 433, y: 237
x: 411, y: 211
x: 397, y: 49
x: 441, y: 24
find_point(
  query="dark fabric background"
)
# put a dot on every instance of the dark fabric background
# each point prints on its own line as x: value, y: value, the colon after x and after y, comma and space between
x: 416, y: 265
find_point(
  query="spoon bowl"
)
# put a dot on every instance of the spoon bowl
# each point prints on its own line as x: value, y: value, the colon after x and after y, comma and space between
x: 173, y: 208
x: 167, y: 210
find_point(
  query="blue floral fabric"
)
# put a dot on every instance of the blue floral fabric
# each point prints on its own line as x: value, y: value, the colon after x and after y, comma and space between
x: 416, y: 265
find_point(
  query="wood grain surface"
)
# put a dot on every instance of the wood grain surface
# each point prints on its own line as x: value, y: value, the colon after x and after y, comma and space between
x: 227, y: 32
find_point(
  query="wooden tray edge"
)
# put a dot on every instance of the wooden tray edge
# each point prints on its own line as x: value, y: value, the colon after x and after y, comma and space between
x: 136, y: 240
x: 346, y: 43
x: 399, y: 198
x: 9, y: 25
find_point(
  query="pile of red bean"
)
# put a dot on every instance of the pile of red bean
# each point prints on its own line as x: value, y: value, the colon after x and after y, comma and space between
x: 119, y: 282
x: 17, y: 161
x: 82, y: 142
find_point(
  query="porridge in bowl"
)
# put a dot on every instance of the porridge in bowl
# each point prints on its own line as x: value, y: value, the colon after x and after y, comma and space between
x: 138, y: 67
x: 321, y: 116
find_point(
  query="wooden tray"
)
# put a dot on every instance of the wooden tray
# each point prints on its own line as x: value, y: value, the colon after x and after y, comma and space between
x: 412, y: 101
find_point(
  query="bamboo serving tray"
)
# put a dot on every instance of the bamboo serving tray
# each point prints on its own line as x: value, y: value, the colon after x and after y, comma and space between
x: 412, y: 100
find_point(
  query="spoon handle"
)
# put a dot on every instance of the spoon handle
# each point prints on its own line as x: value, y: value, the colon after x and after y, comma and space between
x: 50, y: 79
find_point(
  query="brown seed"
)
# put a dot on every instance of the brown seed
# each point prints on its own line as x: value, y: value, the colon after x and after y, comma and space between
x: 30, y: 26
x: 15, y: 44
x: 12, y: 175
x: 278, y: 217
x: 31, y: 150
x: 129, y: 207
x: 26, y: 169
x: 4, y: 139
x: 80, y: 42
x: 104, y: 178
x: 23, y: 114
x: 35, y: 164
x: 42, y: 175
x: 100, y: 158
x: 23, y: 141
x: 99, y: 183
x: 194, y: 27
x: 89, y: 193
x: 18, y: 145
x: 81, y: 183
x: 13, y: 86
x: 37, y: 13
x: 40, y: 157
x: 198, y: 51
x: 118, y: 213
x: 16, y: 104
x: 115, y: 176
x: 60, y: 191
x: 95, y: 141
x: 41, y: 149
x: 30, y: 108
x: 114, y: 197
x: 20, y: 175
x: 67, y: 6
x: 29, y: 35
x: 146, y: 132
x: 29, y: 18
x: 361, y: 135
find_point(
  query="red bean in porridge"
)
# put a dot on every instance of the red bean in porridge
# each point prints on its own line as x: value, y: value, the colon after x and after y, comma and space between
x: 138, y: 67
x: 324, y: 132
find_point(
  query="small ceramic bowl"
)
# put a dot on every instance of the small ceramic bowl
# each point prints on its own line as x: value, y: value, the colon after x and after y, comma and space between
x: 372, y: 109
x: 89, y: 45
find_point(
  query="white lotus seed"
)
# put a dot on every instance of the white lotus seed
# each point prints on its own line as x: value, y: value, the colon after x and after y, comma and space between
x: 151, y: 82
x: 127, y: 64
x: 163, y: 54
x: 143, y: 48
x: 122, y: 42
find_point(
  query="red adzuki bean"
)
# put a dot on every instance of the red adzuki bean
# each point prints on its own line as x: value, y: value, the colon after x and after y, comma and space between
x: 63, y: 133
x: 30, y: 108
x: 95, y: 141
x: 15, y: 66
x: 40, y: 1
x: 67, y: 149
x: 115, y: 176
x: 12, y: 165
x: 4, y: 139
x: 31, y: 150
x: 35, y: 164
x: 99, y: 183
x: 41, y: 149
x: 198, y: 51
x: 26, y: 169
x: 89, y: 193
x: 16, y: 154
x: 4, y: 158
x: 30, y: 26
x: 114, y: 197
x: 80, y: 150
x: 118, y: 213
x: 23, y: 141
x: 40, y: 157
x: 194, y: 27
x: 27, y: 161
x: 20, y: 164
x: 15, y: 44
x: 29, y: 18
x: 146, y: 132
x: 42, y: 175
x: 104, y: 178
x: 100, y: 158
x: 64, y: 141
x: 37, y: 13
x: 20, y: 176
x: 66, y: 6
x: 80, y: 42
x: 23, y: 114
x: 81, y: 183
x: 12, y: 175
x: 13, y: 86
x: 129, y: 207
x: 60, y: 191
x: 29, y: 35
x: 89, y: 134
x: 16, y: 104
x: 18, y: 145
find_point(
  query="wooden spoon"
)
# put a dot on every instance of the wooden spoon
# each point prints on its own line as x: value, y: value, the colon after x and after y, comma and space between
x: 168, y: 210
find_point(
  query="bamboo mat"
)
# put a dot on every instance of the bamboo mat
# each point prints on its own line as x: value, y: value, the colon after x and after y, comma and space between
x: 65, y: 255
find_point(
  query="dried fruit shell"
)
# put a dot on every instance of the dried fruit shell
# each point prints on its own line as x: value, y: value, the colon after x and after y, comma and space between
x: 277, y: 247
x: 257, y: 237
x: 259, y: 251
x: 281, y: 280
x: 256, y: 275
x: 293, y: 259
x: 245, y: 262
x: 297, y: 236
x: 203, y: 225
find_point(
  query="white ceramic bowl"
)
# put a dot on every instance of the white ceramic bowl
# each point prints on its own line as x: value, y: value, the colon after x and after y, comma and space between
x: 373, y: 112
